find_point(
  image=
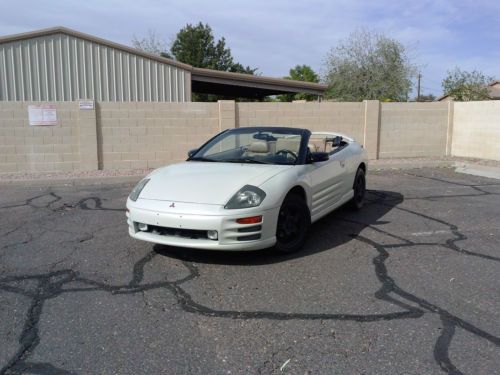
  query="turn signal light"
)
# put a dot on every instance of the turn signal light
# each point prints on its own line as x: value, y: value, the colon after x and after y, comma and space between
x: 250, y: 220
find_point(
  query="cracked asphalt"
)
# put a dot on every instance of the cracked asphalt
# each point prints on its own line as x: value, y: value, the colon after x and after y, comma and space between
x: 408, y: 285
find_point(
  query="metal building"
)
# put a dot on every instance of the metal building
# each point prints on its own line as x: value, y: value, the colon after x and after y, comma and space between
x: 61, y: 64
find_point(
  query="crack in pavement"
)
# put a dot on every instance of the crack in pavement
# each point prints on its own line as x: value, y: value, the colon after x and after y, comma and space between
x: 450, y: 321
x: 476, y: 187
x: 52, y: 284
x: 30, y: 201
x: 449, y: 244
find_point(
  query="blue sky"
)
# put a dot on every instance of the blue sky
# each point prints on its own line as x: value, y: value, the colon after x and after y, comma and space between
x: 276, y: 35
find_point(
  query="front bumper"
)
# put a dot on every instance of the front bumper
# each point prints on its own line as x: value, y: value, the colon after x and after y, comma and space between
x: 199, y: 217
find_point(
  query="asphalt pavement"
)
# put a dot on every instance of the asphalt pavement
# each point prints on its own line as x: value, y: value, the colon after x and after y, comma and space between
x: 408, y: 285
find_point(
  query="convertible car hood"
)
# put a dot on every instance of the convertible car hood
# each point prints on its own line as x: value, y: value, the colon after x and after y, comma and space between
x: 205, y: 182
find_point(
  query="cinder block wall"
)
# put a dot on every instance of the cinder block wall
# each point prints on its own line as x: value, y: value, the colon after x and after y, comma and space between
x: 476, y: 130
x: 413, y: 129
x: 140, y: 135
x: 25, y: 148
x: 149, y: 135
x: 348, y: 118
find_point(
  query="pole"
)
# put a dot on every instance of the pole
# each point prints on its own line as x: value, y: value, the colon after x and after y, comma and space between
x: 418, y: 87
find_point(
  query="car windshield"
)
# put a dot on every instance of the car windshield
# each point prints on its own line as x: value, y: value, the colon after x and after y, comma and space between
x: 253, y: 145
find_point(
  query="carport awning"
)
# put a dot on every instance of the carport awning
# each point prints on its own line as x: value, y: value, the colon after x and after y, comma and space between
x: 208, y: 81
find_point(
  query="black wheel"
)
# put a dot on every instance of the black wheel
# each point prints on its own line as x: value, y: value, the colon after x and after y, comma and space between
x: 359, y: 189
x: 293, y: 224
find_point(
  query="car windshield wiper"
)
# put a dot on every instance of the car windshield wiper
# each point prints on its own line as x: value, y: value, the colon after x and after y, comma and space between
x: 245, y: 160
x: 201, y: 158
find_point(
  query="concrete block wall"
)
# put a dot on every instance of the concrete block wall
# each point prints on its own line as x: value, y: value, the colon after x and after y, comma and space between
x: 25, y: 148
x: 148, y: 135
x: 476, y: 130
x: 413, y: 129
x: 139, y: 135
x: 346, y: 118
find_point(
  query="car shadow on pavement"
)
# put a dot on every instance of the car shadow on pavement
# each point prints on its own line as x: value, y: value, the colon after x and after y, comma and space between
x: 326, y: 234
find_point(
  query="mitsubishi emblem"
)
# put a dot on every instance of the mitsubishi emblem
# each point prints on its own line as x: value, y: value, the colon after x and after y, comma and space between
x: 172, y: 205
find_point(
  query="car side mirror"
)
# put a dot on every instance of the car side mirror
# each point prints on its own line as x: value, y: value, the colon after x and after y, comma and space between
x: 337, y: 141
x: 319, y: 156
x: 192, y: 152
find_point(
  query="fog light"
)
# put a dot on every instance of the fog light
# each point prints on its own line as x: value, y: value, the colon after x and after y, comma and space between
x: 142, y: 227
x: 212, y: 234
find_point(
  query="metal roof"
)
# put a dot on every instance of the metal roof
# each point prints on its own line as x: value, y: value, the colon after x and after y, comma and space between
x: 227, y: 83
x: 55, y: 65
x: 202, y: 80
x: 90, y: 38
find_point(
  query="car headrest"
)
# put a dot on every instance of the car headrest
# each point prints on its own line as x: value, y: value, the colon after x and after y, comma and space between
x: 259, y: 147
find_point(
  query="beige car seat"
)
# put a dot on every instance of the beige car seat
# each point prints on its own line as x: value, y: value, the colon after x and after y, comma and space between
x: 257, y: 148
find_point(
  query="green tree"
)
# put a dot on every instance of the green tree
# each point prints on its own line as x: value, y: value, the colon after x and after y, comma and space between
x: 368, y: 65
x: 300, y: 73
x: 465, y: 86
x: 196, y: 46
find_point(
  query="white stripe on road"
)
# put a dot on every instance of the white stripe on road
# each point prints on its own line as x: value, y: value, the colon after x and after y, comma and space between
x: 430, y: 233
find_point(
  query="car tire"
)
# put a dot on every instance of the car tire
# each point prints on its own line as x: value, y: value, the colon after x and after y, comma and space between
x: 293, y: 224
x: 359, y: 188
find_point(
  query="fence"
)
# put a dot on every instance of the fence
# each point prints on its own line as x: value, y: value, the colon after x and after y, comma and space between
x: 131, y: 135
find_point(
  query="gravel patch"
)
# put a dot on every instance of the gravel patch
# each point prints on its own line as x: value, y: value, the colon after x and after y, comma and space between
x: 74, y: 174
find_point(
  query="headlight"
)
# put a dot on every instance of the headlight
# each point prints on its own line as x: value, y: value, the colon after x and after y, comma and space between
x: 138, y: 188
x: 247, y: 196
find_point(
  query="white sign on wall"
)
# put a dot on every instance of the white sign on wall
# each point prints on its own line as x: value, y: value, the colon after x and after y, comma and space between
x: 86, y: 104
x: 44, y: 114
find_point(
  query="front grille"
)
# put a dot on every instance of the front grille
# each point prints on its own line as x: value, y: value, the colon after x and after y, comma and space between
x: 178, y: 232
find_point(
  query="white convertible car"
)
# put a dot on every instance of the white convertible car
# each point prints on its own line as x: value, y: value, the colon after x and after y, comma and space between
x: 248, y: 189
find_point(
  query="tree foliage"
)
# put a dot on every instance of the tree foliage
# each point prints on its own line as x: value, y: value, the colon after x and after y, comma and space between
x: 151, y: 43
x: 196, y: 46
x: 300, y: 73
x: 368, y: 65
x: 426, y: 98
x: 464, y: 86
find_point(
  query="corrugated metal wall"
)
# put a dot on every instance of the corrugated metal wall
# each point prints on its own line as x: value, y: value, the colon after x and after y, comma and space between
x: 60, y: 67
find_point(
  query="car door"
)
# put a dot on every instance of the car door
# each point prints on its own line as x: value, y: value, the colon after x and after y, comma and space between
x: 328, y: 182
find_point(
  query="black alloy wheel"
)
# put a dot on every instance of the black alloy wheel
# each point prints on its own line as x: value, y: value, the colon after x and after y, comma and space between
x: 359, y: 189
x: 294, y: 221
